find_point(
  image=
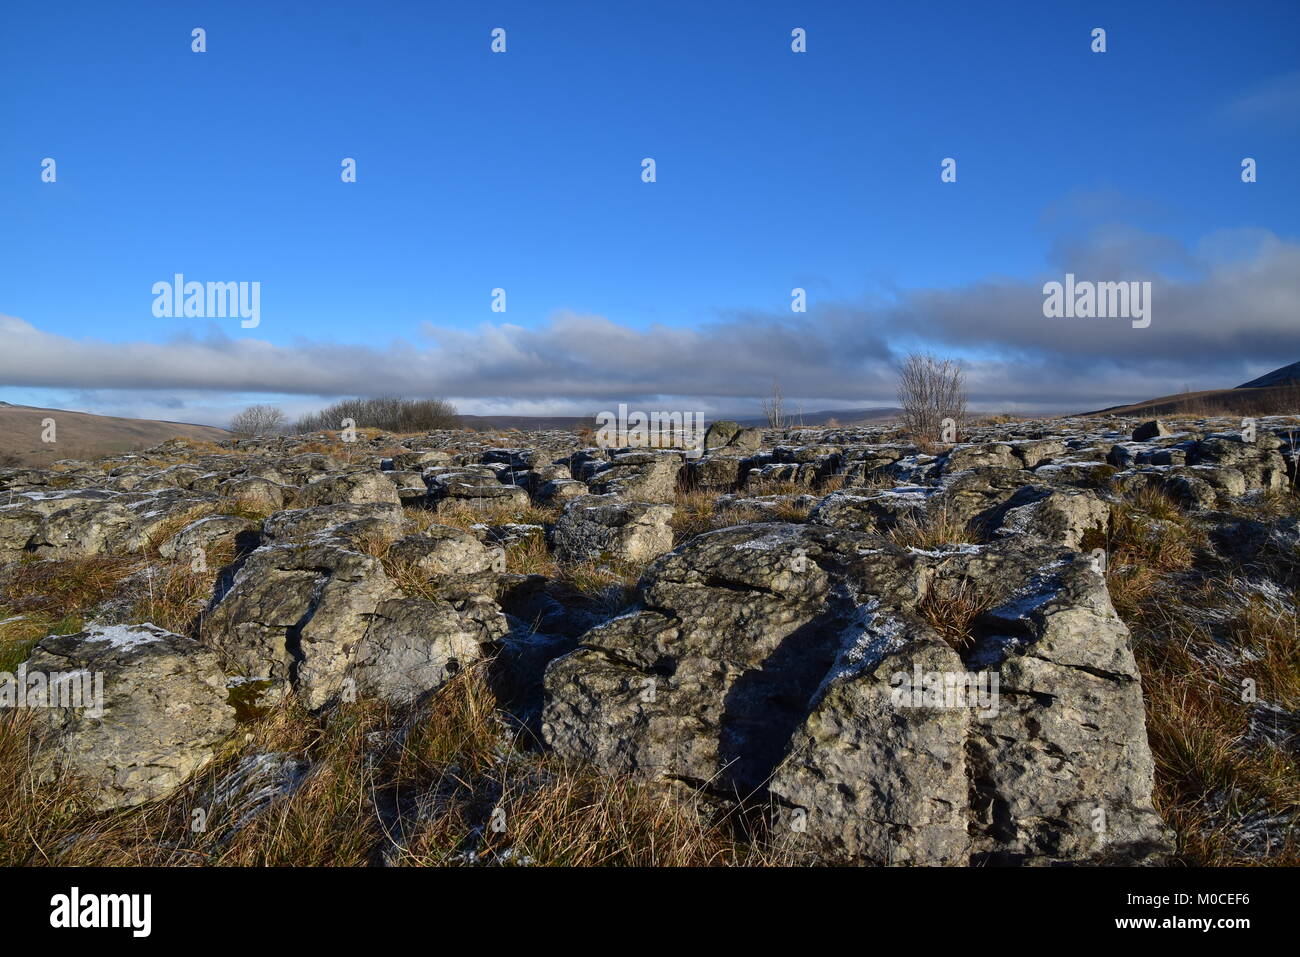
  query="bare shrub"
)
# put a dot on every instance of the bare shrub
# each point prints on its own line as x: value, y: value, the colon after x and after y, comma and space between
x: 929, y: 391
x: 257, y: 421
x: 774, y: 408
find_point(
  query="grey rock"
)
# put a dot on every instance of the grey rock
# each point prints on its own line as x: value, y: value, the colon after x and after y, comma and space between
x: 762, y: 660
x: 1152, y: 429
x: 640, y: 476
x: 414, y: 646
x: 295, y: 613
x: 164, y: 711
x: 352, y: 487
x: 603, y: 527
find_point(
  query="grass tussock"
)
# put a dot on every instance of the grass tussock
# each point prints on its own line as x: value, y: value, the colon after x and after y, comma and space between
x: 60, y: 596
x: 1149, y: 539
x: 465, y: 514
x: 37, y: 816
x: 695, y: 511
x: 951, y: 607
x: 934, y: 528
x: 62, y: 587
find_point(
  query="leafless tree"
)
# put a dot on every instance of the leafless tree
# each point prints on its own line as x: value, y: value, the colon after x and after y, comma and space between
x: 774, y: 408
x: 257, y: 421
x: 929, y: 391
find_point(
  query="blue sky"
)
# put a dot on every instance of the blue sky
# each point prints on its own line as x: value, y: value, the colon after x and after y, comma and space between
x: 522, y: 171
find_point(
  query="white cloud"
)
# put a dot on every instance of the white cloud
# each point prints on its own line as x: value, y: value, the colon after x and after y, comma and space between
x: 1224, y: 310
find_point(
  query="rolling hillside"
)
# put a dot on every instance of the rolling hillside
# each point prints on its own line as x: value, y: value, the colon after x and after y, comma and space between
x: 1275, y: 393
x: 81, y: 435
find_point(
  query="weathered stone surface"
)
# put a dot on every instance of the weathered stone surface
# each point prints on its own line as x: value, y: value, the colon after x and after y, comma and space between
x: 164, y: 710
x: 351, y: 487
x: 444, y: 550
x: 296, y: 613
x: 559, y: 490
x: 414, y: 646
x: 303, y: 524
x: 718, y: 471
x: 1062, y: 769
x: 720, y: 433
x: 869, y: 780
x: 724, y: 646
x: 872, y: 509
x: 1150, y: 430
x: 200, y: 537
x: 410, y: 485
x: 452, y: 563
x: 421, y: 459
x: 256, y: 494
x: 1039, y: 514
x: 649, y: 476
x: 68, y: 524
x: 603, y: 527
x: 991, y: 455
x: 764, y: 660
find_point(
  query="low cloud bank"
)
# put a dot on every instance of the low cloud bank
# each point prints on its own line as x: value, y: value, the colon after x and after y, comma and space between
x: 1223, y: 312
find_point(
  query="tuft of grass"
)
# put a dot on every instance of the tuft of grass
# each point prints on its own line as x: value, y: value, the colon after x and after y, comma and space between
x: 1149, y: 538
x: 174, y: 523
x: 59, y: 588
x: 933, y: 528
x: 951, y: 606
x: 611, y: 583
x: 19, y: 632
x: 531, y: 557
x: 172, y: 596
x: 693, y: 513
x: 460, y: 514
x: 1208, y: 647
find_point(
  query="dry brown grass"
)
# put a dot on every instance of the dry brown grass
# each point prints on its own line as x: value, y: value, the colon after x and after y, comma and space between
x: 484, y: 800
x: 1196, y: 722
x: 951, y: 607
x: 1149, y: 538
x: 693, y: 514
x: 695, y: 511
x: 531, y: 557
x: 35, y: 816
x: 1202, y: 636
x: 461, y: 514
x: 58, y: 588
x: 57, y: 596
x: 174, y: 523
x: 1271, y: 637
x: 933, y: 528
x: 996, y: 418
x: 19, y: 632
x: 172, y: 595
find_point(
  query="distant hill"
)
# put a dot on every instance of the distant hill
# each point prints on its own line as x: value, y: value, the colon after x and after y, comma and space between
x: 81, y: 435
x: 1274, y: 393
x: 1282, y: 376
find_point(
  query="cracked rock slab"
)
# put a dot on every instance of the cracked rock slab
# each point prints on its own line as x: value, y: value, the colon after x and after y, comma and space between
x: 765, y: 662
